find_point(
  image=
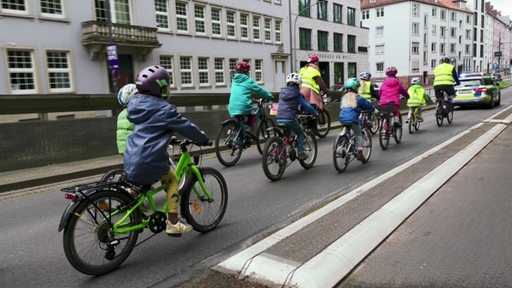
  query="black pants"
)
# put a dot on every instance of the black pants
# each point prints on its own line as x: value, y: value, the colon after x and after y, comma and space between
x: 449, y: 89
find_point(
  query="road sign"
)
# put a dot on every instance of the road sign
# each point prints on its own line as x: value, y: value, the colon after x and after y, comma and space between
x: 497, y: 54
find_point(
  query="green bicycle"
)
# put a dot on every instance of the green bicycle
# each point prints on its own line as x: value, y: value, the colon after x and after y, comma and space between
x: 103, y: 221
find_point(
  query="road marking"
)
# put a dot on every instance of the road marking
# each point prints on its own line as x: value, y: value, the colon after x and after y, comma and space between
x: 337, y: 260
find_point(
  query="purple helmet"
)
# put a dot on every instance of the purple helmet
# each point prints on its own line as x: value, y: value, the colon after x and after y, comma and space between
x: 151, y: 80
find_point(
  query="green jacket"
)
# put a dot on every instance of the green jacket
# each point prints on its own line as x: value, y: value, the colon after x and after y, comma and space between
x: 124, y: 129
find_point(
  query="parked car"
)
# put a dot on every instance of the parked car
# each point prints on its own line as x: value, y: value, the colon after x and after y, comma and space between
x: 336, y: 87
x: 477, y: 89
x: 376, y: 86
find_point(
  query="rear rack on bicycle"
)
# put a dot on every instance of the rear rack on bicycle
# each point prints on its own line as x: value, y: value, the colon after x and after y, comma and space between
x: 89, y: 186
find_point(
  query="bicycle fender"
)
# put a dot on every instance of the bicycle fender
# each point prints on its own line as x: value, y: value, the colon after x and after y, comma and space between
x: 229, y: 121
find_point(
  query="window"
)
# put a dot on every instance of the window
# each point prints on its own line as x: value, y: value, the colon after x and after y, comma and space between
x: 305, y: 8
x: 415, y: 28
x: 339, y: 74
x: 258, y: 70
x: 337, y: 13
x: 467, y: 49
x: 415, y: 10
x: 202, y: 68
x: 379, y: 49
x: 219, y: 71
x: 351, y: 43
x: 415, y: 66
x: 304, y: 39
x: 256, y: 28
x: 14, y: 7
x: 433, y: 63
x: 352, y: 69
x: 452, y: 47
x: 230, y: 21
x: 199, y: 19
x: 119, y: 11
x: 453, y: 32
x: 277, y: 31
x: 443, y: 32
x: 216, y: 20
x: 351, y: 16
x: 21, y: 71
x: 162, y: 15
x: 434, y: 30
x: 337, y: 42
x: 52, y: 8
x: 434, y: 12
x: 453, y: 16
x: 186, y: 71
x: 59, y: 71
x: 181, y: 17
x: 415, y: 48
x: 380, y: 12
x: 365, y: 14
x: 441, y: 48
x: 322, y: 10
x: 167, y: 62
x: 443, y: 15
x: 433, y: 47
x: 379, y: 66
x: 322, y: 39
x: 232, y: 63
x: 268, y: 29
x: 244, y: 26
x: 379, y: 31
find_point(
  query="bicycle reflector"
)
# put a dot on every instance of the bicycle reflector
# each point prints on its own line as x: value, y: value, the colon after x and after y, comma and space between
x: 70, y: 196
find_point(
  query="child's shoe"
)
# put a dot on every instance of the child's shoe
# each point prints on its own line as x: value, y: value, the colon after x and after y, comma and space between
x: 420, y: 119
x: 178, y: 228
x: 407, y: 120
x: 359, y: 153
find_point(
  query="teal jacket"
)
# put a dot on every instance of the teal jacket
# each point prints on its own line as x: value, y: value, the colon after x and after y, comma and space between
x: 242, y: 88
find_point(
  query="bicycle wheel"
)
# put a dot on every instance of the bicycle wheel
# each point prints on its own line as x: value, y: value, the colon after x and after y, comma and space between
x: 227, y: 148
x: 263, y: 132
x: 417, y: 123
x: 274, y: 158
x: 310, y: 147
x: 340, y: 155
x: 200, y: 212
x: 90, y: 244
x: 449, y: 115
x: 439, y: 114
x: 323, y: 123
x: 412, y: 122
x: 375, y: 123
x: 397, y: 133
x: 384, y: 133
x: 367, y: 145
x: 113, y: 175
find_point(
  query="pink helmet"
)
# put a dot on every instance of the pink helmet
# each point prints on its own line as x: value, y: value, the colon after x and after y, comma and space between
x: 242, y: 66
x: 151, y: 80
x: 313, y: 58
x: 391, y: 71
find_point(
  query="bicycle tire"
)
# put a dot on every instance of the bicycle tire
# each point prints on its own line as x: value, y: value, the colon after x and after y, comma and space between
x: 449, y: 115
x: 417, y: 123
x: 397, y: 134
x: 384, y: 133
x: 323, y: 123
x: 263, y: 132
x: 439, y: 114
x: 375, y: 121
x: 340, y: 154
x: 114, y: 175
x: 367, y: 145
x: 310, y: 147
x: 88, y: 242
x: 227, y: 150
x: 412, y: 122
x: 274, y: 159
x: 202, y: 214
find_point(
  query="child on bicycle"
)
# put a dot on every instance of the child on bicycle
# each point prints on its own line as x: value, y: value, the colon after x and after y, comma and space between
x: 351, y: 106
x: 242, y: 88
x: 390, y: 91
x: 289, y: 101
x: 146, y: 159
x: 124, y: 127
x: 417, y: 98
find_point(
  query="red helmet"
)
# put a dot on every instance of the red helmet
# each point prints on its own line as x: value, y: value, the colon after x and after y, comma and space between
x: 242, y: 66
x: 391, y: 71
x: 313, y: 58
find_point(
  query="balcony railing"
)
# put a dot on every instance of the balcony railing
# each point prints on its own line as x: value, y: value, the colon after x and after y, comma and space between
x: 96, y: 34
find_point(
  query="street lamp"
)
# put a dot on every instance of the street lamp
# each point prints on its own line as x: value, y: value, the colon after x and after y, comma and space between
x: 294, y: 42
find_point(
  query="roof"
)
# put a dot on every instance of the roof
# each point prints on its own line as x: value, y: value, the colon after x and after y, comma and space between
x: 449, y: 4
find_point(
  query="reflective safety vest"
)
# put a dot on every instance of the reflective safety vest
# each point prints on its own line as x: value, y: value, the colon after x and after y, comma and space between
x: 416, y: 96
x: 443, y: 74
x: 366, y: 94
x: 307, y: 74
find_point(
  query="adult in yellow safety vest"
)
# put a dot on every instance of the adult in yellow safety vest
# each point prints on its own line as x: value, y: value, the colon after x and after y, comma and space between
x: 366, y: 89
x: 445, y: 76
x: 312, y: 82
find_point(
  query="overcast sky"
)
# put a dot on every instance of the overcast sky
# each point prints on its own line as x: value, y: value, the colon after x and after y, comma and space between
x: 505, y: 6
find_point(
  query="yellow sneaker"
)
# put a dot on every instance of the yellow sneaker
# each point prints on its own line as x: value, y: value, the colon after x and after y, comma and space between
x: 177, y: 228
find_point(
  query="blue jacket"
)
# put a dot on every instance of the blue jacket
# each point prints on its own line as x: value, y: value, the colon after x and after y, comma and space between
x: 351, y: 115
x: 289, y: 101
x: 146, y: 159
x: 242, y: 88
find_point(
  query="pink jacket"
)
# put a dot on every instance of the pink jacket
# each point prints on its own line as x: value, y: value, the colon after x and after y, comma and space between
x: 390, y: 91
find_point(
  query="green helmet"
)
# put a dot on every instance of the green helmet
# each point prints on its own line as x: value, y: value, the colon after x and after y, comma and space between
x: 352, y: 84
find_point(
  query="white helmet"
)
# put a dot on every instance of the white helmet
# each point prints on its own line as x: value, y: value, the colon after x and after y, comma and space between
x: 415, y: 80
x: 293, y: 78
x: 127, y: 91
